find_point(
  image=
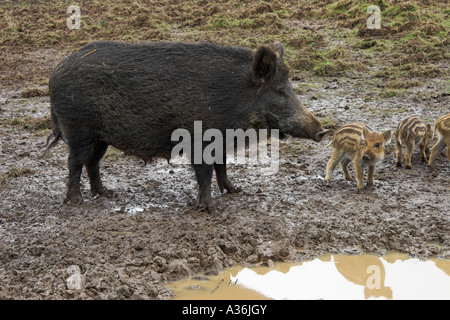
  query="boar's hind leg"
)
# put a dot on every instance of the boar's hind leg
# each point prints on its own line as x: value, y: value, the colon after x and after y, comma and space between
x: 203, y: 173
x: 77, y: 156
x: 92, y: 164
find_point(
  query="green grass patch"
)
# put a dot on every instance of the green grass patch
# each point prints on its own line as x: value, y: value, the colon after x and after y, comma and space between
x: 28, y: 123
x: 408, y: 29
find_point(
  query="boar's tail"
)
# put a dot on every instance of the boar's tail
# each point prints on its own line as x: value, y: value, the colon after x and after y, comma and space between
x: 56, y: 134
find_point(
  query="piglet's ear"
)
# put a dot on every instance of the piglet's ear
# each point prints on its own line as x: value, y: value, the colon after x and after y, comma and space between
x: 387, y: 136
x: 264, y: 64
x: 364, y: 133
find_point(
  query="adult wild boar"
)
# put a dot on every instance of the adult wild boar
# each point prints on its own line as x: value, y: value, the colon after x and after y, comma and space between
x: 133, y: 96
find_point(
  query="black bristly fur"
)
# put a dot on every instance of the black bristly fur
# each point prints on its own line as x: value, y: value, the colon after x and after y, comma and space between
x: 133, y: 96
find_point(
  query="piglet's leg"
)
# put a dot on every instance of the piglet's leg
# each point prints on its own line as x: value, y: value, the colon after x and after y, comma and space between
x: 398, y: 153
x: 423, y: 152
x: 437, y: 148
x: 370, y: 177
x: 409, y: 151
x: 344, y: 166
x: 359, y: 175
x: 336, y: 156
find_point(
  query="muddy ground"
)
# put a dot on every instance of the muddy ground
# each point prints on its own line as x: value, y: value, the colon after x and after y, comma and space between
x: 130, y: 246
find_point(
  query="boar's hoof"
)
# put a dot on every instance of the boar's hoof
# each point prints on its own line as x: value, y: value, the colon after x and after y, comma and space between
x: 210, y: 208
x: 103, y: 192
x: 233, y: 189
x: 399, y: 164
x: 225, y: 184
x: 73, y: 198
x: 408, y: 167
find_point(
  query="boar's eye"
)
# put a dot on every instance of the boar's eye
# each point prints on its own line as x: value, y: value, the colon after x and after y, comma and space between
x: 282, y: 93
x: 377, y: 145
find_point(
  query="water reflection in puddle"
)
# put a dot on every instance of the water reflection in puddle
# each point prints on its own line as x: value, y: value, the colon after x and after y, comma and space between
x: 394, y: 276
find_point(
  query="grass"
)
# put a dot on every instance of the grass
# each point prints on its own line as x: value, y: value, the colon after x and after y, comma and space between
x: 28, y: 123
x: 329, y: 123
x: 403, y: 83
x: 34, y: 92
x: 112, y: 154
x: 338, y: 44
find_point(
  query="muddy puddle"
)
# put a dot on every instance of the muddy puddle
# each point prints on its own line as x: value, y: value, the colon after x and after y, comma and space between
x: 393, y: 276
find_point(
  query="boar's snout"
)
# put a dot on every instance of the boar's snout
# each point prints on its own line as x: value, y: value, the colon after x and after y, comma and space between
x: 307, y: 126
x: 307, y: 131
x: 319, y: 135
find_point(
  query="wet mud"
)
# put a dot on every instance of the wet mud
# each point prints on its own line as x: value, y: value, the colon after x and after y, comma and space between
x: 130, y: 246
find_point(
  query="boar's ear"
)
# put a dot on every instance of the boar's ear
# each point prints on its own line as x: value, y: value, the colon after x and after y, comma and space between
x: 387, y: 136
x: 429, y: 128
x: 263, y: 65
x: 279, y: 49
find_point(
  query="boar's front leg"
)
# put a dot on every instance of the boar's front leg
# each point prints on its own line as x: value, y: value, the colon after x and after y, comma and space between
x: 222, y: 178
x: 203, y: 173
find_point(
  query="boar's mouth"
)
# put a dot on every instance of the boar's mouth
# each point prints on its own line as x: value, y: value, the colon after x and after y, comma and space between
x: 296, y: 129
x: 299, y: 131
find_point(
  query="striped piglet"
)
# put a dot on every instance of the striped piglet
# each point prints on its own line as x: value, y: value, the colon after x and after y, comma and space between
x: 361, y: 145
x: 410, y: 132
